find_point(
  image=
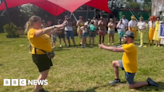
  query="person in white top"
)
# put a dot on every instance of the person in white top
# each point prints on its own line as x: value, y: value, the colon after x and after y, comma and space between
x: 125, y: 21
x: 121, y: 27
x: 141, y: 28
x: 69, y: 31
x: 132, y: 26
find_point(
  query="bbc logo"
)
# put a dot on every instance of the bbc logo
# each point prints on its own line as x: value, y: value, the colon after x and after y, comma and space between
x: 23, y: 82
x: 14, y: 82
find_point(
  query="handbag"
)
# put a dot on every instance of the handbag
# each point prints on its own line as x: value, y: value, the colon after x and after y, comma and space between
x: 50, y: 55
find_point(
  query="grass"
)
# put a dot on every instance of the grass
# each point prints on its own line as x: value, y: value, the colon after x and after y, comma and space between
x: 78, y: 69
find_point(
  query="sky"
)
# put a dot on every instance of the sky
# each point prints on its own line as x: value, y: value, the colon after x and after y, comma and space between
x: 141, y: 1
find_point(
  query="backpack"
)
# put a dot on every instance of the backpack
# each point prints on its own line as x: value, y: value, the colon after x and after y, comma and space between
x: 92, y: 28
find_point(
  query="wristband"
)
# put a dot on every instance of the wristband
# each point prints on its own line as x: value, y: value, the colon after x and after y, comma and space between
x: 54, y: 26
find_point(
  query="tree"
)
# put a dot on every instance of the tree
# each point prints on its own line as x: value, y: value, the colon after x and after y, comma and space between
x: 147, y: 5
x: 133, y: 5
x: 30, y: 10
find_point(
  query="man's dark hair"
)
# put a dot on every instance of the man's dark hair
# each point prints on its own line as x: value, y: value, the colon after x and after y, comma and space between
x: 92, y: 22
x: 158, y: 17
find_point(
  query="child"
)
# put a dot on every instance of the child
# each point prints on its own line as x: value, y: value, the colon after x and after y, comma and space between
x: 54, y: 39
x: 92, y: 33
x: 84, y: 36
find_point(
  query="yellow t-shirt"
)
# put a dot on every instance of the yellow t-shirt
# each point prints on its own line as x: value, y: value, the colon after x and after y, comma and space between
x: 43, y: 42
x: 130, y: 58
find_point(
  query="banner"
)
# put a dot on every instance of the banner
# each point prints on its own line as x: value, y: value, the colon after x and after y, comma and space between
x: 161, y: 31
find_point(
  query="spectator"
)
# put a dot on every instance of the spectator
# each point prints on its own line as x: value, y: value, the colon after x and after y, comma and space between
x: 102, y: 30
x: 156, y: 33
x: 141, y: 28
x: 92, y: 33
x: 69, y: 31
x: 132, y: 26
x: 111, y: 31
x: 61, y: 34
x: 121, y: 27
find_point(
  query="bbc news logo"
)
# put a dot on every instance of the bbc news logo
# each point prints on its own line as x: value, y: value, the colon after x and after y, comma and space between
x: 23, y: 82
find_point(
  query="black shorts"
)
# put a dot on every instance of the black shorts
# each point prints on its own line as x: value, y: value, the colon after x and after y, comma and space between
x: 42, y: 62
x: 92, y: 34
x: 62, y: 35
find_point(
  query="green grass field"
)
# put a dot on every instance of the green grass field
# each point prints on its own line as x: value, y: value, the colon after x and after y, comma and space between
x: 78, y: 69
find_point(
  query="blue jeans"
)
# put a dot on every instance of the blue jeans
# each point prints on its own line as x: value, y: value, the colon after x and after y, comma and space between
x: 69, y: 34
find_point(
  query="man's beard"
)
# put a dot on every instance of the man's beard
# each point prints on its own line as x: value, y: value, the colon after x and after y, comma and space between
x: 125, y: 42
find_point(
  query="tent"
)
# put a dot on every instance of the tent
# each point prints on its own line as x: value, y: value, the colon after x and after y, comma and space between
x: 99, y: 4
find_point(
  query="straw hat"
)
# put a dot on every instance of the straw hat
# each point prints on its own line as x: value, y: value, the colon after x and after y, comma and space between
x: 141, y: 17
x: 132, y: 17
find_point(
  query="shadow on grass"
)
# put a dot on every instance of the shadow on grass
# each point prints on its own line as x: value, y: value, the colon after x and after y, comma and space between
x: 1, y: 64
x: 152, y: 89
x: 93, y: 89
x: 6, y: 41
x: 60, y: 48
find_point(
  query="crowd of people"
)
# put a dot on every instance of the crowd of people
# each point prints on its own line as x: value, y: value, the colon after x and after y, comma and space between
x: 40, y: 34
x: 93, y: 27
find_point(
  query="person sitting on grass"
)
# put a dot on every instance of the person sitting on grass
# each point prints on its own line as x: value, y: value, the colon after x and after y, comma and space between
x: 128, y: 62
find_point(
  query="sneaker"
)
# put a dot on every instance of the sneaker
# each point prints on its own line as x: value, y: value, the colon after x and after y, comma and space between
x: 119, y: 46
x: 140, y: 46
x: 42, y: 90
x: 75, y: 46
x: 115, y: 82
x: 60, y: 45
x: 82, y: 46
x: 151, y: 82
x: 68, y: 46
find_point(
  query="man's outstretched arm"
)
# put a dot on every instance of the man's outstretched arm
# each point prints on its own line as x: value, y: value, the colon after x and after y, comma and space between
x: 111, y: 48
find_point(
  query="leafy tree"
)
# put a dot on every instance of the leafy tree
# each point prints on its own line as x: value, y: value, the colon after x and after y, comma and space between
x: 147, y: 5
x: 133, y: 5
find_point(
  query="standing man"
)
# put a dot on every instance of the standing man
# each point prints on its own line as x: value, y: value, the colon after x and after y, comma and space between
x: 125, y: 21
x: 61, y: 34
x: 128, y: 62
x: 141, y: 29
x: 95, y: 21
x: 132, y: 26
x: 69, y: 31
